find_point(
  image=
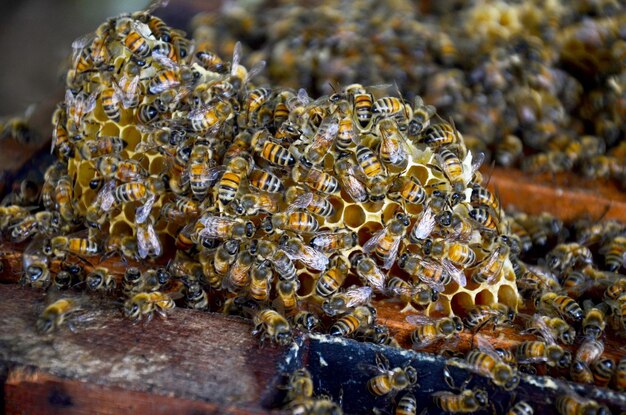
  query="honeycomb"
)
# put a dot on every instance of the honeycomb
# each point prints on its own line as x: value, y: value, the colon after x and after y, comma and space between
x: 166, y: 146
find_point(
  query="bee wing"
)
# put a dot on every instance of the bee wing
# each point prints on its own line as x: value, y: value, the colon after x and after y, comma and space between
x: 372, y: 243
x: 356, y: 296
x: 69, y: 100
x: 236, y: 59
x: 255, y: 70
x: 156, y: 4
x: 426, y: 224
x: 418, y: 319
x: 143, y: 29
x: 90, y: 102
x: 303, y: 97
x: 455, y: 273
x: 300, y: 202
x: 199, y: 113
x: 105, y: 198
x: 354, y: 187
x: 160, y: 56
x: 212, y: 225
x: 393, y: 252
x: 314, y: 258
x: 148, y: 242
x: 127, y: 96
x: 486, y: 347
x: 538, y: 323
x: 143, y: 211
x: 80, y: 43
x: 435, y: 285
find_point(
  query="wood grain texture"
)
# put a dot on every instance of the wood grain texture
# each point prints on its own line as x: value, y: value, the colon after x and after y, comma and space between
x: 565, y: 196
x: 190, y: 355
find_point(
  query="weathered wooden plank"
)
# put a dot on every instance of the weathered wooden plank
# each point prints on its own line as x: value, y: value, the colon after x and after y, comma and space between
x: 190, y: 355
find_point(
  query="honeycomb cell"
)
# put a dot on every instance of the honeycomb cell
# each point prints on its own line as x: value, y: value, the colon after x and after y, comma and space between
x: 439, y: 308
x: 419, y: 172
x: 451, y: 288
x: 307, y: 284
x: 461, y: 302
x: 390, y: 211
x: 508, y: 296
x: 132, y: 137
x: 354, y: 216
x: 158, y: 165
x: 86, y: 172
x: 338, y: 205
x: 121, y: 227
x: 109, y: 129
x: 485, y: 297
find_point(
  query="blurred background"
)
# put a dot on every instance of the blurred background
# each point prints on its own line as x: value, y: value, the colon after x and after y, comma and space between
x: 36, y: 38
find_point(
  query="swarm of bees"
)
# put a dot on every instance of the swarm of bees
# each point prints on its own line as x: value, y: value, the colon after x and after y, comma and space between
x: 542, y: 80
x: 298, y: 212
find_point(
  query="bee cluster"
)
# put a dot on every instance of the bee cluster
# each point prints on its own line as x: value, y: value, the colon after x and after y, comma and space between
x: 298, y: 213
x: 292, y: 211
x: 544, y: 80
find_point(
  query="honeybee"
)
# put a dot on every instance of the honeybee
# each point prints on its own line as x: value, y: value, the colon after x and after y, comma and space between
x: 321, y: 181
x: 35, y: 265
x: 211, y: 61
x: 572, y: 403
x: 298, y: 222
x: 483, y: 197
x: 59, y: 246
x: 392, y: 148
x: 100, y: 279
x: 146, y: 304
x: 201, y: 176
x: 486, y: 361
x: 362, y: 103
x: 331, y: 280
x: 298, y: 198
x: 310, y: 257
x: 156, y: 279
x: 552, y: 329
x: 589, y: 350
x: 228, y: 186
x: 562, y: 305
x: 602, y: 370
x: 110, y: 104
x: 566, y: 255
x: 457, y: 253
x: 195, y: 296
x: 369, y: 273
x: 209, y: 118
x: 78, y: 105
x: 136, y: 40
x: 429, y: 331
x: 408, y: 293
x: 369, y: 163
x: 148, y: 242
x: 534, y: 279
x: 542, y: 352
x: 306, y: 321
x: 272, y: 152
x: 485, y: 218
x: 435, y: 274
x: 361, y: 316
x: 390, y: 381
x: 439, y: 135
x: 261, y: 280
x: 209, y: 226
x: 342, y: 302
x: 521, y: 408
x: 112, y: 167
x: 466, y: 401
x: 409, y: 189
x: 265, y: 181
x: 593, y: 323
x: 386, y: 242
x: 41, y: 222
x: 270, y: 324
x: 287, y: 298
x: 334, y: 241
x: 347, y: 136
x: 490, y: 268
x: 346, y: 171
x: 496, y: 314
x: 225, y: 256
x: 132, y: 282
x: 580, y: 372
x: 423, y: 226
x: 323, y: 140
x: 239, y: 272
x: 104, y: 145
x: 251, y: 204
x: 614, y: 251
x: 55, y: 314
x: 63, y: 194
